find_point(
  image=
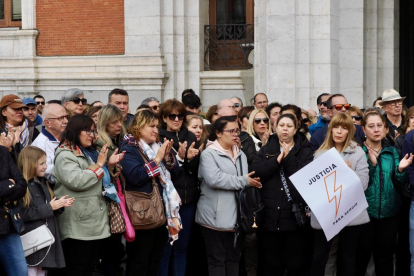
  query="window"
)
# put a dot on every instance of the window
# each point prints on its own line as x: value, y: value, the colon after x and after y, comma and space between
x: 229, y: 38
x: 10, y: 13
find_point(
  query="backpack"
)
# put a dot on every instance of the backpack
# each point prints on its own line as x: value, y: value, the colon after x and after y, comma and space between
x: 249, y: 205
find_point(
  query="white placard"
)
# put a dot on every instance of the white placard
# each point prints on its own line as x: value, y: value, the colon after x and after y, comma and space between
x: 332, y: 190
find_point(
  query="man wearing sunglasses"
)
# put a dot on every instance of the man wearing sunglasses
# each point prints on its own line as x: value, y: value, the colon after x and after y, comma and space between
x: 225, y: 107
x: 73, y: 100
x: 336, y: 104
x: 120, y: 98
x: 238, y: 103
x: 153, y: 103
x: 323, y: 117
x: 392, y: 103
x: 40, y: 102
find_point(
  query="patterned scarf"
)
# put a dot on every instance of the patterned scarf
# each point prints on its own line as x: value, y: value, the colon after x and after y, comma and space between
x: 170, y: 195
x: 24, y: 137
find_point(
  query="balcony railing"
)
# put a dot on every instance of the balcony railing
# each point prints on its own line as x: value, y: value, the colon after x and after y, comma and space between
x: 227, y: 47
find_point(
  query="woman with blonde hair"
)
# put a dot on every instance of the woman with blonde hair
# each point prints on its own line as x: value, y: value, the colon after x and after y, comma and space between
x: 145, y: 252
x: 259, y: 127
x: 110, y: 128
x: 39, y: 206
x: 340, y: 135
x: 196, y: 126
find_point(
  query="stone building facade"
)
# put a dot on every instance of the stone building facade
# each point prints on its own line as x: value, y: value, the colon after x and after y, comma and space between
x: 301, y: 49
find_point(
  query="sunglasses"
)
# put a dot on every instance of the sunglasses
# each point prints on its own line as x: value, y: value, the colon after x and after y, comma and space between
x: 258, y: 120
x: 173, y: 116
x: 340, y: 106
x: 77, y: 100
x: 357, y: 118
x: 305, y: 120
x: 155, y: 107
x: 324, y: 103
x: 236, y: 105
x: 42, y: 103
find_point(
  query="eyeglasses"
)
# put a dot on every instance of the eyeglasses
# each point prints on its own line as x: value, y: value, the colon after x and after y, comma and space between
x: 38, y: 103
x: 155, y: 107
x: 305, y: 120
x: 357, y: 118
x: 232, y: 131
x: 395, y: 103
x: 60, y: 119
x: 324, y: 103
x: 340, y: 106
x: 77, y: 100
x: 236, y: 105
x: 258, y: 120
x: 90, y: 131
x: 172, y: 117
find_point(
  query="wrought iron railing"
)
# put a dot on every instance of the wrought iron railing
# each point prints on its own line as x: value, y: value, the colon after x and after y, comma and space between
x: 228, y: 46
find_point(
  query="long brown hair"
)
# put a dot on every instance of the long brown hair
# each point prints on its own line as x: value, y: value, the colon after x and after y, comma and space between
x: 343, y: 120
x: 410, y: 113
x: 27, y: 163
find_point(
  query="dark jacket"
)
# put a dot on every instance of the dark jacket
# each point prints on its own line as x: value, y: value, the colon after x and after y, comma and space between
x: 134, y: 172
x: 383, y: 200
x: 186, y: 182
x: 128, y: 120
x: 408, y: 147
x: 247, y: 146
x: 278, y: 214
x: 9, y: 192
x: 35, y: 216
x: 399, y: 143
x: 393, y: 128
x: 319, y: 136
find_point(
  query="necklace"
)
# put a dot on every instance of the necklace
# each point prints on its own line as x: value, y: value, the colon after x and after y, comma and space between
x: 377, y: 151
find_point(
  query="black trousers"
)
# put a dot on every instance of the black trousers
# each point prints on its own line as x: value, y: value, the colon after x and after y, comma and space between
x: 111, y: 255
x: 348, y: 240
x: 223, y: 258
x: 379, y: 238
x: 403, y: 255
x: 80, y: 256
x: 145, y: 252
x: 283, y: 251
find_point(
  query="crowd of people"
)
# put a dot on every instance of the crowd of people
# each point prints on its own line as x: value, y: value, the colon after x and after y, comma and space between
x: 156, y: 187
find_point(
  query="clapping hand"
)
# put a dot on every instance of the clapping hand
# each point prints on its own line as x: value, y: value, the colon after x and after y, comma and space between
x: 115, y: 158
x: 6, y: 141
x: 64, y: 201
x: 372, y: 155
x: 405, y: 162
x: 192, y: 152
x: 265, y: 137
x: 284, y: 153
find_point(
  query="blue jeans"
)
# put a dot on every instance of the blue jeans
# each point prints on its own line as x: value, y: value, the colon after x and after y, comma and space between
x: 412, y: 237
x: 12, y: 256
x: 178, y: 251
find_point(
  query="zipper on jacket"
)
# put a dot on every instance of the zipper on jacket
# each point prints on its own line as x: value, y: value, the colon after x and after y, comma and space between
x: 381, y: 187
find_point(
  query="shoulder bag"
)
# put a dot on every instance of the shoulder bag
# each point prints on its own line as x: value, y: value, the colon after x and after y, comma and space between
x: 37, y: 239
x: 145, y: 210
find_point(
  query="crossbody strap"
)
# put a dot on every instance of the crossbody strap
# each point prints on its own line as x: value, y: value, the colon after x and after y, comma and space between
x: 285, y: 186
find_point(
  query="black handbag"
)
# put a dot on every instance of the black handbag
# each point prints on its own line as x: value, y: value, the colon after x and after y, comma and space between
x: 249, y: 204
x: 16, y: 217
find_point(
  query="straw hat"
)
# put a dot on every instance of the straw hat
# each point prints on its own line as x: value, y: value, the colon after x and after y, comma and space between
x: 390, y: 95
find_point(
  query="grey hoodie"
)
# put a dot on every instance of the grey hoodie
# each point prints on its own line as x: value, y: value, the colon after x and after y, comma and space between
x: 356, y: 156
x: 220, y: 177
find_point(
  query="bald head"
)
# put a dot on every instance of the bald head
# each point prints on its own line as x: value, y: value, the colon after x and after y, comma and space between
x: 225, y: 107
x: 51, y: 110
x: 55, y: 119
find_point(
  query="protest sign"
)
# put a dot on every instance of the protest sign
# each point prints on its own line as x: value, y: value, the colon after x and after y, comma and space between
x: 332, y: 190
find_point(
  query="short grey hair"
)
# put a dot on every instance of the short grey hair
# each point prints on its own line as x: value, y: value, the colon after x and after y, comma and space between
x: 150, y: 99
x: 70, y: 94
x: 235, y: 97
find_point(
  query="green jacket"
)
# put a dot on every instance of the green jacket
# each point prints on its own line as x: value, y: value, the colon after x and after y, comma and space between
x: 87, y: 218
x: 384, y: 201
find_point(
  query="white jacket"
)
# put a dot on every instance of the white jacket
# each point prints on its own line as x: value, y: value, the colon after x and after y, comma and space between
x: 48, y: 144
